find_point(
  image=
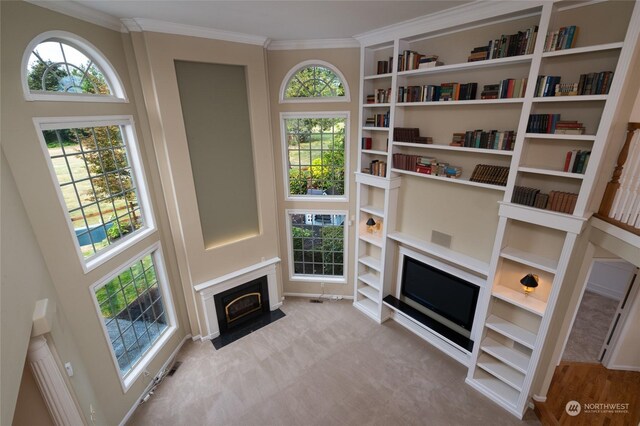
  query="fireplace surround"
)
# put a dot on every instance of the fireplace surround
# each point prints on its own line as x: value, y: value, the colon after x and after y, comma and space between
x: 245, y: 307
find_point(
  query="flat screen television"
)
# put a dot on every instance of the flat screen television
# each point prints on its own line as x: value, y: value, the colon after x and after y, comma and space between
x: 445, y: 294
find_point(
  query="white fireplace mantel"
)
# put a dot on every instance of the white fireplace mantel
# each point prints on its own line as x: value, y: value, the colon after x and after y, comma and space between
x: 208, y: 289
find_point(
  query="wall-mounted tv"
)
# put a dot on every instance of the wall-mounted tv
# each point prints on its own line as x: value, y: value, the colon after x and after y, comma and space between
x: 445, y: 294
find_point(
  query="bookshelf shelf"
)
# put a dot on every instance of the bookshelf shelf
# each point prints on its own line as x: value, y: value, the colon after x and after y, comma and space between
x: 451, y: 180
x: 376, y: 129
x: 560, y: 137
x: 581, y: 98
x: 371, y: 240
x: 506, y: 354
x: 387, y: 105
x: 458, y: 103
x: 371, y: 280
x: 468, y: 66
x: 373, y: 210
x: 368, y: 306
x: 587, y: 49
x: 519, y: 299
x: 543, y: 217
x: 444, y: 253
x: 487, y: 382
x: 548, y: 172
x: 377, y: 76
x: 512, y: 331
x: 454, y: 148
x: 529, y: 259
x: 371, y: 262
x: 374, y: 152
x: 369, y: 292
x: 505, y: 373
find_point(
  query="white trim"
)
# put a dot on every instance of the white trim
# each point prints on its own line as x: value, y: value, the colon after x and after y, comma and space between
x: 155, y: 250
x: 236, y: 274
x: 158, y: 26
x: 324, y: 296
x: 616, y: 232
x: 82, y: 12
x: 90, y: 51
x: 345, y: 248
x: 135, y: 159
x: 306, y: 64
x: 166, y: 364
x: 624, y: 367
x: 329, y: 43
x: 285, y: 154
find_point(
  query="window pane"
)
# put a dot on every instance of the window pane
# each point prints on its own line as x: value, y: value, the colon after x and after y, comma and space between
x: 318, y: 243
x: 316, y: 155
x: 97, y: 184
x: 314, y: 82
x: 138, y: 312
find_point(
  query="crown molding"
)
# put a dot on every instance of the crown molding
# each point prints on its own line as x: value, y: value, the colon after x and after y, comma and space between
x: 446, y: 19
x: 82, y: 12
x: 332, y: 43
x: 153, y: 25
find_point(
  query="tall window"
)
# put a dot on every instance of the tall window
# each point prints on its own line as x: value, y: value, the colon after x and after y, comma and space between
x: 317, y: 244
x: 134, y: 315
x: 99, y: 187
x: 315, y: 155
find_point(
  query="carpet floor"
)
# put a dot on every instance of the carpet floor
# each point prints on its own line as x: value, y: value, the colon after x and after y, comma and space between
x: 590, y: 328
x: 322, y: 364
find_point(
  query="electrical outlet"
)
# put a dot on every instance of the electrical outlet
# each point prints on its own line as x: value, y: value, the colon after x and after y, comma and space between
x: 69, y: 368
x: 92, y: 413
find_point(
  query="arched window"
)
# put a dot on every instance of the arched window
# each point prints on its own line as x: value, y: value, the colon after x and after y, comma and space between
x: 61, y: 66
x: 314, y: 81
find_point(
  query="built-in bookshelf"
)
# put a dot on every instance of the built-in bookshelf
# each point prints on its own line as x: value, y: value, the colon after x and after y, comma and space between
x: 550, y: 168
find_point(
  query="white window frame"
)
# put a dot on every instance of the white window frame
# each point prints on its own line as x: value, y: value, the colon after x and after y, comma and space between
x: 113, y: 79
x: 318, y: 278
x: 305, y: 64
x: 285, y: 154
x: 155, y: 250
x: 135, y: 160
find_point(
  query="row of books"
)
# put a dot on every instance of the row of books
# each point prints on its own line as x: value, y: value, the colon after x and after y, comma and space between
x: 376, y: 168
x: 378, y: 120
x: 576, y: 161
x: 564, y: 38
x: 551, y: 123
x: 366, y: 143
x: 563, y: 202
x: 488, y: 173
x: 433, y: 93
x: 425, y: 165
x: 410, y: 134
x: 385, y: 67
x: 382, y: 96
x: 595, y: 83
x: 493, y: 139
x: 507, y: 88
x: 521, y: 43
x: 412, y: 60
x: 546, y: 85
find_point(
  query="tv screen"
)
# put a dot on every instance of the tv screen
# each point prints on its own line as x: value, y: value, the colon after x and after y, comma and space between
x: 445, y: 294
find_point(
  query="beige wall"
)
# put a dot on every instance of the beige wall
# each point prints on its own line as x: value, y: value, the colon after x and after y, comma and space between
x: 280, y: 62
x: 31, y: 408
x: 77, y: 332
x: 155, y: 54
x: 627, y: 352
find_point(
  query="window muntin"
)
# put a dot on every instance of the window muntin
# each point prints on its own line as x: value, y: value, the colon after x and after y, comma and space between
x: 314, y: 81
x: 315, y: 151
x: 55, y: 66
x: 99, y: 174
x: 317, y: 244
x: 135, y: 312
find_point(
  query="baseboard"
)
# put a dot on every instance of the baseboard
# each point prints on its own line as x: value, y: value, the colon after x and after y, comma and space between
x: 609, y: 293
x: 150, y: 385
x: 624, y: 367
x: 319, y: 296
x: 539, y: 398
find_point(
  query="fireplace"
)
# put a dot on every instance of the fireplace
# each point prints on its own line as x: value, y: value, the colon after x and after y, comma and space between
x: 241, y: 304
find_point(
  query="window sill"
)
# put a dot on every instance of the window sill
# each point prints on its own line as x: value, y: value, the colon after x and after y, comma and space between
x: 318, y: 279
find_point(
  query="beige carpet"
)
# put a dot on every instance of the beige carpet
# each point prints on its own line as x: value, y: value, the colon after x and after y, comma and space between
x: 590, y: 328
x: 323, y: 364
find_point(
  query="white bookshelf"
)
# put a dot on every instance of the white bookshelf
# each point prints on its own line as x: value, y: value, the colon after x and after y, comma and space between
x: 507, y: 349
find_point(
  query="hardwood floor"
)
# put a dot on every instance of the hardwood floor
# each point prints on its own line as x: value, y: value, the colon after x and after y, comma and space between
x: 593, y: 386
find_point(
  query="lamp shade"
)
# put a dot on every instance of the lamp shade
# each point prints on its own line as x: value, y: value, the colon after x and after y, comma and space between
x: 371, y: 222
x: 529, y: 280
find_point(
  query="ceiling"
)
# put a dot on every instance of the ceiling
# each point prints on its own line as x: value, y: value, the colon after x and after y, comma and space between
x: 276, y: 20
